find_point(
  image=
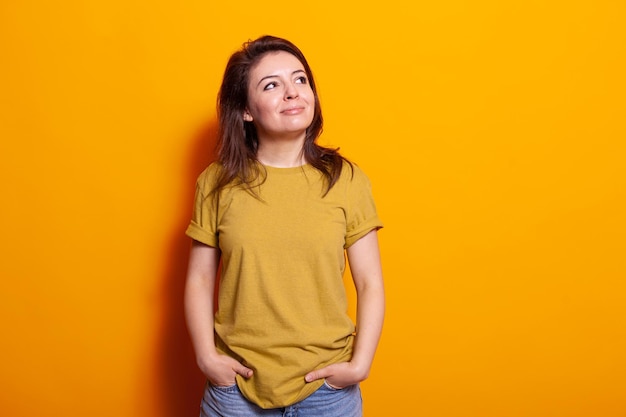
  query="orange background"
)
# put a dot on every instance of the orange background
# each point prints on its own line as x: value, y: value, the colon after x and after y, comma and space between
x: 493, y: 133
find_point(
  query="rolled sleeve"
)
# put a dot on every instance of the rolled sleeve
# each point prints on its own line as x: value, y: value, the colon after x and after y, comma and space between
x: 203, y: 224
x: 361, y: 216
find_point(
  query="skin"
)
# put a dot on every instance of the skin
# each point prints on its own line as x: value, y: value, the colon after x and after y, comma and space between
x: 281, y: 106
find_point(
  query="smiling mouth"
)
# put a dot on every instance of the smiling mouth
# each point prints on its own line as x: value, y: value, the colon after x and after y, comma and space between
x: 293, y: 110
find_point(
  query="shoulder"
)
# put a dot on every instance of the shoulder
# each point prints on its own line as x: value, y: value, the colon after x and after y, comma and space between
x: 208, y: 178
x: 212, y: 170
x: 352, y: 173
x: 352, y: 180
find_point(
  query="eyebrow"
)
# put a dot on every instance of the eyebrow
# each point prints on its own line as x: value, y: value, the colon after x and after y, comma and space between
x: 274, y: 76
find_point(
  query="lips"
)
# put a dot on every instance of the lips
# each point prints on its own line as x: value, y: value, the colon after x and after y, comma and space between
x: 293, y: 110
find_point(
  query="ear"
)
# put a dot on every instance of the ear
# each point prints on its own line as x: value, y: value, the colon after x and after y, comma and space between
x: 247, y: 117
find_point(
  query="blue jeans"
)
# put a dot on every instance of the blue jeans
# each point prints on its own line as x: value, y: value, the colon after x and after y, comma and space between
x: 325, y: 402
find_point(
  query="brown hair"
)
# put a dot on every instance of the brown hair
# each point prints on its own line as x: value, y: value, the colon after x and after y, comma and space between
x: 238, y: 140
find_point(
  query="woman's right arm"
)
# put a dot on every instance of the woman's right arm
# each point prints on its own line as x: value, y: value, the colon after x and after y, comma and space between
x: 199, y: 294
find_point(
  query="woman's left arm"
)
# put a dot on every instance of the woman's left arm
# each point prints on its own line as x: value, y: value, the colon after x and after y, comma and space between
x: 365, y: 265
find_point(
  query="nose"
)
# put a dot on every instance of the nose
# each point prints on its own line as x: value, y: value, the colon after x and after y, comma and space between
x: 291, y: 92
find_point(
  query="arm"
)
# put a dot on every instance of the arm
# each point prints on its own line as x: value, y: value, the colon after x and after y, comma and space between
x: 365, y: 265
x: 199, y: 292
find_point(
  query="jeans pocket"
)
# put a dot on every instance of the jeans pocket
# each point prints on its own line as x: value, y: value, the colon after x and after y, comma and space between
x: 330, y: 387
x: 224, y: 388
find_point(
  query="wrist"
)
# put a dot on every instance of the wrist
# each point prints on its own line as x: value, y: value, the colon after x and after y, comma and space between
x: 361, y: 369
x: 206, y: 359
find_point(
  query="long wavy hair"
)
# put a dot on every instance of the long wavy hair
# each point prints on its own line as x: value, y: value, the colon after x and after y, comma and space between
x: 238, y: 140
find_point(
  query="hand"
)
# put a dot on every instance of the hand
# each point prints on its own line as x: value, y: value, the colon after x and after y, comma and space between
x: 221, y: 370
x: 338, y: 375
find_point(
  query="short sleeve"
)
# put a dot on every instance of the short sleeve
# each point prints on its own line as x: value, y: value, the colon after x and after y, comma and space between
x: 203, y: 224
x: 361, y: 214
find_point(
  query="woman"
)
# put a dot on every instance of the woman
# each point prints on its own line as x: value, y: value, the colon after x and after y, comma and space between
x: 279, y: 211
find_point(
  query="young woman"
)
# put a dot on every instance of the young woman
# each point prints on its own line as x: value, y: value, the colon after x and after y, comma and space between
x: 279, y: 212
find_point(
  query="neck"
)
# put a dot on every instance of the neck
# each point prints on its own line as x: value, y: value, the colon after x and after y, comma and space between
x: 281, y: 153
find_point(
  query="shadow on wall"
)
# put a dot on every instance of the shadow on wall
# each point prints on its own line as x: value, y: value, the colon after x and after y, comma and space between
x: 181, y: 383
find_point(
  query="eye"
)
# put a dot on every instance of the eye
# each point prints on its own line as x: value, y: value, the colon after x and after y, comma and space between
x: 270, y: 86
x: 301, y: 80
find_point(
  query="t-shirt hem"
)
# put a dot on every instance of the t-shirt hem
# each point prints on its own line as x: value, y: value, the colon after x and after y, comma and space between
x: 310, y: 389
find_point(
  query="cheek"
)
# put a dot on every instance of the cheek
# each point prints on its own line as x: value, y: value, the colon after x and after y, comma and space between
x: 265, y: 106
x: 256, y: 110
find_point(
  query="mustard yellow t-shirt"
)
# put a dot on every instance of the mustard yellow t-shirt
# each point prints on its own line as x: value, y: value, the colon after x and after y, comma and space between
x: 282, y: 308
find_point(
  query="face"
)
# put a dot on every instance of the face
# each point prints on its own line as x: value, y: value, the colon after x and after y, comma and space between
x: 280, y: 100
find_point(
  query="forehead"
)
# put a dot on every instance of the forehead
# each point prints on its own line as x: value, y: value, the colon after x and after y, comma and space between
x: 275, y: 63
